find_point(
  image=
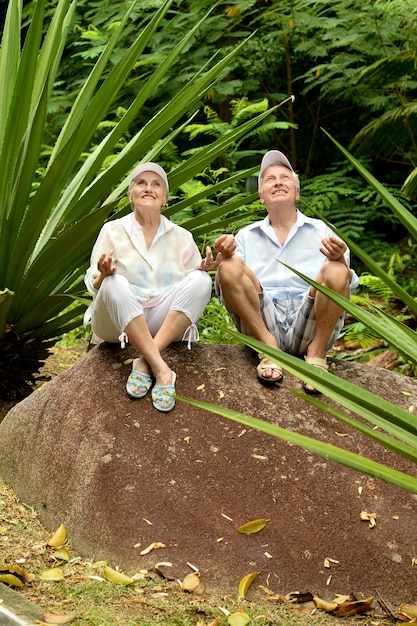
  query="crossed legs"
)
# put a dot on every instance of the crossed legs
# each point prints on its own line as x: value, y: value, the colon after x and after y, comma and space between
x: 240, y: 293
x: 116, y: 308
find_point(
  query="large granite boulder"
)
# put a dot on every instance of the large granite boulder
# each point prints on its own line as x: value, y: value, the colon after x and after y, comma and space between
x: 121, y: 476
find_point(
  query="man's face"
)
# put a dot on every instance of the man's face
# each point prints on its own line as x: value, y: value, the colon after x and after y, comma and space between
x: 278, y: 186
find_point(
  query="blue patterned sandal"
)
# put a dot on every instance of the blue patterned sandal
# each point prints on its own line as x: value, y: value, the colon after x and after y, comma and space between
x: 138, y: 383
x: 162, y: 396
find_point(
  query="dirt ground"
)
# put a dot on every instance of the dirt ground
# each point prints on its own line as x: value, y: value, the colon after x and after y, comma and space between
x: 25, y: 541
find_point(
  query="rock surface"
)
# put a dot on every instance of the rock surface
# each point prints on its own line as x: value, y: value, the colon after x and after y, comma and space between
x: 122, y: 476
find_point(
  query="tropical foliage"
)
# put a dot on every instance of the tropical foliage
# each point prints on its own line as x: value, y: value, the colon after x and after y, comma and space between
x: 90, y: 88
x: 392, y: 427
x: 54, y: 199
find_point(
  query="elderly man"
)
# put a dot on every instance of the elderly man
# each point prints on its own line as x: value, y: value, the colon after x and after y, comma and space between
x: 266, y: 299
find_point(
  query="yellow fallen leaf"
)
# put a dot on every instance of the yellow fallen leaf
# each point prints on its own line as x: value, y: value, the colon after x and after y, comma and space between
x: 406, y: 393
x: 61, y: 555
x: 200, y: 387
x: 58, y: 537
x: 411, y: 409
x: 52, y: 618
x: 245, y: 583
x: 118, y: 578
x: 54, y: 574
x: 353, y: 607
x: 190, y: 581
x: 238, y: 619
x: 341, y: 434
x: 409, y: 610
x: 252, y: 527
x: 10, y: 579
x: 221, y: 394
x: 324, y: 605
x: 153, y: 546
x: 339, y: 599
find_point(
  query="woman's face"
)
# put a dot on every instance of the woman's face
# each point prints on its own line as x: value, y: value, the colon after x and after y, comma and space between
x: 148, y: 190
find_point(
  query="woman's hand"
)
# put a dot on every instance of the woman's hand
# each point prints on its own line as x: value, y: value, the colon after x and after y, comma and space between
x: 106, y: 268
x: 209, y: 263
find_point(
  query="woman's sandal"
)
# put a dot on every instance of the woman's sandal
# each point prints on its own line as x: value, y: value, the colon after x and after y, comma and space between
x: 317, y: 362
x: 162, y: 396
x: 267, y: 364
x: 138, y: 383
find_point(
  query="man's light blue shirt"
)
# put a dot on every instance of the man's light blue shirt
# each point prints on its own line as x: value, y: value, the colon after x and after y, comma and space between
x: 259, y: 247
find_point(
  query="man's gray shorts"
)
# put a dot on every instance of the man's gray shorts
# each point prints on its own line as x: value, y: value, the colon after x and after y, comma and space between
x: 292, y: 322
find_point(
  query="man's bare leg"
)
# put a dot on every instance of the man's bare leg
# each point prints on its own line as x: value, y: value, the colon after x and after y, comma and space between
x: 335, y: 276
x: 240, y: 294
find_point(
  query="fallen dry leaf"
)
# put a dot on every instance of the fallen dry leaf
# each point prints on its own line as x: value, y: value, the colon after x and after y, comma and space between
x: 238, y: 619
x: 54, y: 574
x: 299, y: 598
x: 118, y: 578
x: 52, y: 618
x: 409, y: 610
x: 8, y: 578
x: 190, y: 581
x: 153, y: 546
x: 61, y: 555
x: 368, y: 517
x: 252, y: 527
x: 324, y: 605
x: 354, y: 607
x: 58, y: 538
x: 245, y: 583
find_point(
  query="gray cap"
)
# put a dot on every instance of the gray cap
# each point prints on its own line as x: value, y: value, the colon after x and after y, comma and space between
x: 273, y: 157
x: 150, y: 167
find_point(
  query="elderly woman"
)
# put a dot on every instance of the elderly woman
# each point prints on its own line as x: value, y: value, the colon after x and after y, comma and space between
x: 149, y: 285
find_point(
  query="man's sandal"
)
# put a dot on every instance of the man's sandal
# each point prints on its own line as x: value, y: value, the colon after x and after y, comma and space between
x: 267, y: 364
x: 321, y: 364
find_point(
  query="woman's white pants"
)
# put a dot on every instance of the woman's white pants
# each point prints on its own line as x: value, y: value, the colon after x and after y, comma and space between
x: 115, y: 305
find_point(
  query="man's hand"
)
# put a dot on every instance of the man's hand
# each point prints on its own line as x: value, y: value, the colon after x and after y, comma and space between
x: 225, y: 245
x: 333, y: 249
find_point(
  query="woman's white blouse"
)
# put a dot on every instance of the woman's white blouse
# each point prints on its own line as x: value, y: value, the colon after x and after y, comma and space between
x: 153, y: 272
